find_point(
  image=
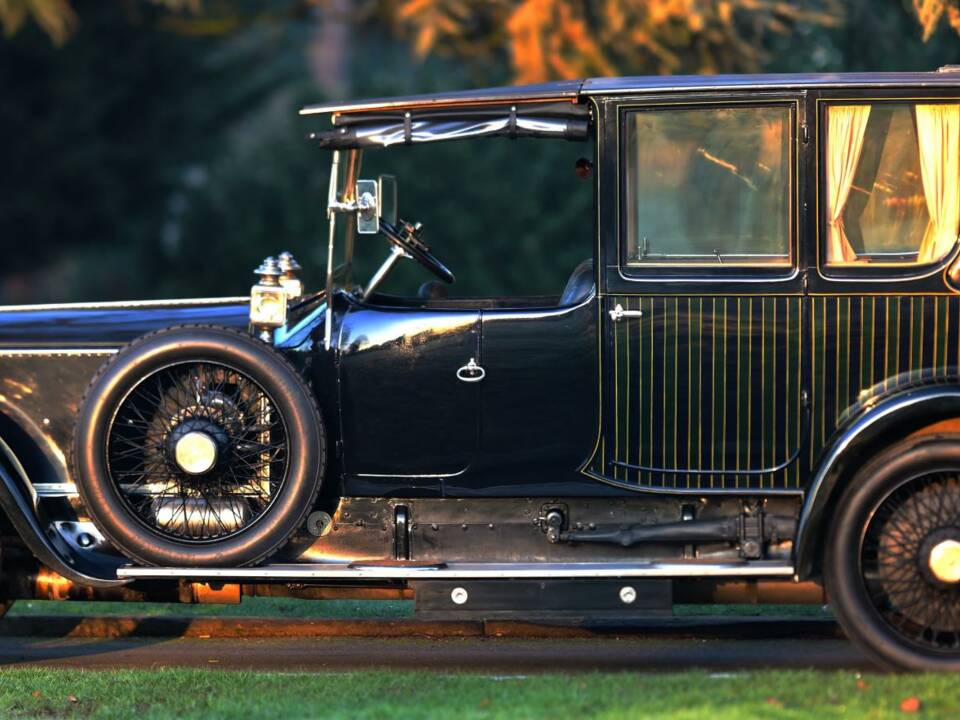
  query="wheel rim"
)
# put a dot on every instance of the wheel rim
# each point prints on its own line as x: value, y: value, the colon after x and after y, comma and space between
x: 907, y: 561
x: 198, y: 451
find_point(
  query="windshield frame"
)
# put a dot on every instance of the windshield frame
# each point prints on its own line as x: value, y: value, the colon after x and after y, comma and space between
x: 340, y: 192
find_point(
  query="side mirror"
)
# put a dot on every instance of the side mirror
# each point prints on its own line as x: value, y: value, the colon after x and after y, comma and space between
x: 376, y: 199
x: 368, y: 207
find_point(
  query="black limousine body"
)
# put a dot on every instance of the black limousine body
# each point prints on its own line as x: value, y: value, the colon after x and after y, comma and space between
x: 748, y: 391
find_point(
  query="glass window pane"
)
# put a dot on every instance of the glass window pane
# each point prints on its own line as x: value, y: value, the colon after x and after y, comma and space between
x: 709, y: 186
x: 891, y: 188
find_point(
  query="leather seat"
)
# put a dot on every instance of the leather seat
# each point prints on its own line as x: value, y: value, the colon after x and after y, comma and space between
x: 433, y: 290
x: 580, y: 285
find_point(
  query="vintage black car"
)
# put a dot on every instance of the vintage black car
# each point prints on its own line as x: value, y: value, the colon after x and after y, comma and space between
x: 748, y: 391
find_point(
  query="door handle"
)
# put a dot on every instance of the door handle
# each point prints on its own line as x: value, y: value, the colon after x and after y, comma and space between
x: 619, y: 313
x: 471, y: 372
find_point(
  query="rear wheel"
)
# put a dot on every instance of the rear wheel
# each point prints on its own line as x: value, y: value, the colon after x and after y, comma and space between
x: 198, y: 446
x: 892, y: 571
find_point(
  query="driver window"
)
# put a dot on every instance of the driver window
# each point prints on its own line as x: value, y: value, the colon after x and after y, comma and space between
x: 510, y: 218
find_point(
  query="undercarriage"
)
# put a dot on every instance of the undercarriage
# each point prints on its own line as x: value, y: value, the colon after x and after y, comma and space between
x: 517, y: 558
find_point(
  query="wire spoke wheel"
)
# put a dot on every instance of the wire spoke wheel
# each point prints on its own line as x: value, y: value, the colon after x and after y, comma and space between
x: 198, y: 451
x: 199, y: 446
x: 899, y: 556
x: 892, y: 556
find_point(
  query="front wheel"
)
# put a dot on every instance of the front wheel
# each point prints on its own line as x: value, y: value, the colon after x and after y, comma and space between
x: 198, y: 446
x: 892, y: 570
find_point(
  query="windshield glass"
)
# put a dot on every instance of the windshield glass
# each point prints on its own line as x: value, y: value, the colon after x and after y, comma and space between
x: 510, y: 218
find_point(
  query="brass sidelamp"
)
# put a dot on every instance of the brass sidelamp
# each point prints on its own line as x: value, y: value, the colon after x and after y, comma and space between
x: 268, y: 300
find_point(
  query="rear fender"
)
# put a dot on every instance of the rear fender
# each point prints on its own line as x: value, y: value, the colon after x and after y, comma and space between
x: 876, y: 426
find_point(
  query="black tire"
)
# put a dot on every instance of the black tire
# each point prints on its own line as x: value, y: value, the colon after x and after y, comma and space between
x: 877, y: 572
x: 270, y: 456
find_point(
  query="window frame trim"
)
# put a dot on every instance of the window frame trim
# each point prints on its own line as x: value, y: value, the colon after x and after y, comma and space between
x: 707, y: 273
x: 867, y: 272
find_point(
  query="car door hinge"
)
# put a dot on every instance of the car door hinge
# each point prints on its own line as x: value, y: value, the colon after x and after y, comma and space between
x: 805, y: 133
x: 338, y: 448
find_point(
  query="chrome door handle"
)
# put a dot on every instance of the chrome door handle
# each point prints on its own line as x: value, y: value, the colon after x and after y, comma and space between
x: 618, y: 313
x: 471, y: 372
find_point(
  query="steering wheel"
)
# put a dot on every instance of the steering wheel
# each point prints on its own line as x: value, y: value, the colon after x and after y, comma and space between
x: 406, y: 236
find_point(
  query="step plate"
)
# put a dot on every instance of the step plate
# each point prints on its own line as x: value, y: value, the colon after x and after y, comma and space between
x: 472, y: 571
x: 552, y: 599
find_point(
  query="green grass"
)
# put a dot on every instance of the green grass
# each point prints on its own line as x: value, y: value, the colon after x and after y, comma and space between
x: 803, y: 611
x: 211, y: 694
x: 386, y: 609
x: 248, y: 607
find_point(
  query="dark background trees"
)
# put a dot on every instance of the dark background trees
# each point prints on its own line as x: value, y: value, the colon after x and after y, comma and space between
x: 153, y: 149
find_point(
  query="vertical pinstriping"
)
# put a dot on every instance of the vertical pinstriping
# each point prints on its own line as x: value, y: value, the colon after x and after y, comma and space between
x: 709, y: 370
x: 617, y: 401
x: 898, y: 340
x: 717, y: 376
x: 626, y: 374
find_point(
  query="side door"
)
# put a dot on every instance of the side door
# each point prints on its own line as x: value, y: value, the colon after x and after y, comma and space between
x: 703, y: 299
x: 537, y: 401
x: 407, y: 421
x: 883, y: 313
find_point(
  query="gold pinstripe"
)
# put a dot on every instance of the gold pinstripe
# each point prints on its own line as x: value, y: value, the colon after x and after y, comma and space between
x: 928, y: 325
x: 656, y: 402
x: 763, y: 384
x: 628, y: 414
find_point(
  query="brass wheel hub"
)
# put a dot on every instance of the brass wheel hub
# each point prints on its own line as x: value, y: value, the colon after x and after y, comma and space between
x: 944, y: 561
x: 195, y: 452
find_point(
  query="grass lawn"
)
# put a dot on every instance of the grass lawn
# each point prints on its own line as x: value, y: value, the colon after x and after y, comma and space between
x: 211, y: 694
x: 248, y: 607
x: 288, y: 607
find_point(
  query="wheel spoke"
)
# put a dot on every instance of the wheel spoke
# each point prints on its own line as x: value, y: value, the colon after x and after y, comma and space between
x: 252, y: 451
x: 905, y: 594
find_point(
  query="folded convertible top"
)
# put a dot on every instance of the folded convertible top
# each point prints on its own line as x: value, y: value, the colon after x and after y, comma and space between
x: 564, y: 120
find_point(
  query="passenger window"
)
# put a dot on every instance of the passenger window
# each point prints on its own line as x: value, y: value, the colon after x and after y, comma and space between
x: 891, y: 174
x: 708, y: 186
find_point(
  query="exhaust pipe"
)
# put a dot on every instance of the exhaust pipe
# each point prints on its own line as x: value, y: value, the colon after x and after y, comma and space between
x: 773, y: 528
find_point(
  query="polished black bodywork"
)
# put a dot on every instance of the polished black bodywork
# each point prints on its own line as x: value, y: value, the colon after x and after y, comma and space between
x: 410, y: 426
x: 573, y: 405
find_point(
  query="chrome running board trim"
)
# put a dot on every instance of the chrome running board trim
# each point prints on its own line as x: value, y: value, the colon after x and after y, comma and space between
x: 67, y: 489
x: 472, y: 571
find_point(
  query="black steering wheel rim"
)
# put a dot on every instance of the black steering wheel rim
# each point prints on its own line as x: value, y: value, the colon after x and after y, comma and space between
x: 418, y: 251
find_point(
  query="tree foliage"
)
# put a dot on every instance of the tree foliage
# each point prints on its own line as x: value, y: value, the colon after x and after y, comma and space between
x: 931, y: 12
x: 56, y: 17
x: 157, y: 151
x: 548, y: 39
x: 59, y: 20
x: 540, y: 39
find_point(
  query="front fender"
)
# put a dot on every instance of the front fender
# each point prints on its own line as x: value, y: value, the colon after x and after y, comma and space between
x: 879, y: 422
x: 20, y: 508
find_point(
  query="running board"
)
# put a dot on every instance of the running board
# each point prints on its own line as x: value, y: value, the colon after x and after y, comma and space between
x: 465, y: 571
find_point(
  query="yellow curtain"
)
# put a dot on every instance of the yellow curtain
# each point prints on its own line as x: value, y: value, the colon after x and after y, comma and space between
x: 938, y: 134
x: 846, y: 125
